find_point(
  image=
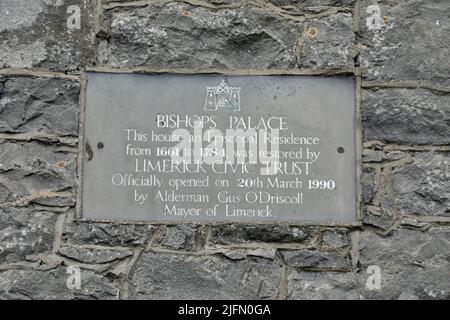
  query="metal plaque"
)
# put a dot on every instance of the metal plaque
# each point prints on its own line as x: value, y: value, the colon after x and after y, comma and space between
x: 216, y: 148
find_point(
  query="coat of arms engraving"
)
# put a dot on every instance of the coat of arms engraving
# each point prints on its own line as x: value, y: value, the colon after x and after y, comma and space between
x: 223, y: 97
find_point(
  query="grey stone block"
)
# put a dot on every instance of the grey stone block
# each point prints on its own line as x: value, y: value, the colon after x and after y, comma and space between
x: 183, y: 236
x: 316, y: 260
x: 40, y: 105
x: 378, y: 221
x: 335, y: 238
x: 35, y: 34
x: 238, y: 254
x: 78, y: 233
x: 179, y: 35
x: 232, y: 234
x: 93, y: 255
x: 329, y: 43
x: 322, y: 286
x: 405, y: 40
x: 312, y: 5
x: 168, y: 276
x: 369, y: 183
x: 413, y: 264
x: 410, y: 116
x: 372, y: 155
x: 422, y: 187
x: 35, y: 170
x: 52, y: 285
x: 25, y: 231
x: 293, y: 7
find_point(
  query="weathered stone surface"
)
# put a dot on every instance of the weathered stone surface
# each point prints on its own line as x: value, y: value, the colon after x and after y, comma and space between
x: 35, y: 170
x: 107, y: 234
x: 405, y: 40
x: 294, y: 7
x: 238, y: 254
x: 422, y: 187
x: 411, y: 116
x: 329, y: 43
x: 235, y: 234
x: 335, y: 238
x: 312, y: 5
x: 414, y: 222
x: 93, y: 255
x: 394, y: 155
x: 58, y: 200
x: 52, y: 284
x: 43, y: 105
x: 183, y: 236
x: 372, y: 155
x: 412, y: 263
x: 380, y: 211
x: 25, y: 231
x: 369, y: 183
x: 5, y: 194
x: 177, y: 34
x: 168, y: 276
x: 35, y: 34
x: 316, y: 260
x: 322, y: 286
x: 381, y: 221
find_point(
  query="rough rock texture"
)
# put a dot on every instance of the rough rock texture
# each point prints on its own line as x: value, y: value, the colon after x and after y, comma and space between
x: 35, y: 34
x: 239, y: 254
x: 422, y: 187
x: 25, y: 231
x: 378, y: 220
x: 42, y: 105
x: 369, y: 183
x: 37, y: 284
x: 322, y: 286
x: 294, y: 7
x: 315, y: 260
x: 83, y: 233
x: 32, y: 171
x: 405, y: 40
x: 329, y: 43
x: 335, y: 238
x: 406, y: 116
x: 186, y: 237
x: 169, y: 276
x: 413, y: 264
x: 232, y: 234
x: 93, y: 255
x: 312, y: 4
x: 177, y: 34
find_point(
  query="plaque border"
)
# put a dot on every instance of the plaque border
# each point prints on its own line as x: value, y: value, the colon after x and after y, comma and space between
x: 354, y: 73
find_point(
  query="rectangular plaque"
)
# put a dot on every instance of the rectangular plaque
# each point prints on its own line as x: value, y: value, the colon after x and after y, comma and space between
x: 214, y: 148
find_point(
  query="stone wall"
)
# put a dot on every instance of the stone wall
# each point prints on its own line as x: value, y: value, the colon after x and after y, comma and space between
x: 399, y: 52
